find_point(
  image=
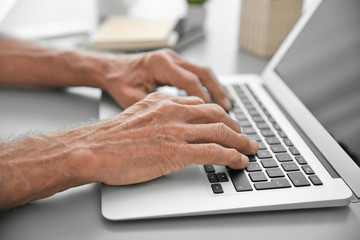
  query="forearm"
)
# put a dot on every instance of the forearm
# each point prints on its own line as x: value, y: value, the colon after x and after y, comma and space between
x: 27, y: 64
x: 40, y: 166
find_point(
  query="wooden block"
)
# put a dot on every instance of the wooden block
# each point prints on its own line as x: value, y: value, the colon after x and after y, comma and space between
x: 265, y: 24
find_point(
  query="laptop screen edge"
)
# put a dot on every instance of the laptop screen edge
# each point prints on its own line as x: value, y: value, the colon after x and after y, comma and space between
x: 320, y: 137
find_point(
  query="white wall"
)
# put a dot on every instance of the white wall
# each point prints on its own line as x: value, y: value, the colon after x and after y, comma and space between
x: 38, y: 12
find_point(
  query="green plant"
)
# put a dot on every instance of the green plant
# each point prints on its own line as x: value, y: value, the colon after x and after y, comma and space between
x: 196, y: 1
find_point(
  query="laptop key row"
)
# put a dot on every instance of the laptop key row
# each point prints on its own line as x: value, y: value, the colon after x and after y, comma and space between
x: 271, y: 180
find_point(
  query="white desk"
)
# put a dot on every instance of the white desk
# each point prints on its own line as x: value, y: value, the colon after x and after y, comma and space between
x: 75, y: 213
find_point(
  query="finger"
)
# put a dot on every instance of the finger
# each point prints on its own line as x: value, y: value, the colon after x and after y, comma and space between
x: 192, y: 100
x: 210, y: 113
x: 212, y: 153
x: 183, y: 79
x: 128, y: 98
x: 220, y: 134
x: 207, y: 78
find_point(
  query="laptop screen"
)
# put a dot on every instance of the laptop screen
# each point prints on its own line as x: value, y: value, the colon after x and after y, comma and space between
x: 322, y: 68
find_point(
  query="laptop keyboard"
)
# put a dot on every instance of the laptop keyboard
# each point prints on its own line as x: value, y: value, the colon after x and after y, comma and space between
x: 277, y: 164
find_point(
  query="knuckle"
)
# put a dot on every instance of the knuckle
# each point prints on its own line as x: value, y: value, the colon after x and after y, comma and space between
x: 217, y: 110
x: 156, y: 57
x: 212, y: 150
x: 220, y: 131
x: 167, y: 104
x: 158, y: 95
x: 233, y: 156
x: 198, y: 99
x: 193, y: 81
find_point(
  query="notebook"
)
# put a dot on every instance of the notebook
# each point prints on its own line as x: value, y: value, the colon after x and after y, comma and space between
x: 122, y: 33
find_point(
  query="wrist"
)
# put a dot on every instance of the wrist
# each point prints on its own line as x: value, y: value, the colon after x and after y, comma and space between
x: 88, y: 69
x: 81, y: 165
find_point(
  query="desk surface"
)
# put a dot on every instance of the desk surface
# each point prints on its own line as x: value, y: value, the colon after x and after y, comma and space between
x: 75, y: 213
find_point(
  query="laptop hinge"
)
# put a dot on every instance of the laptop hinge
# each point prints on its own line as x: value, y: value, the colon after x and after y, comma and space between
x: 354, y: 199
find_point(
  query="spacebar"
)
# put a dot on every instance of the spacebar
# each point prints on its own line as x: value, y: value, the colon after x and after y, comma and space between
x: 240, y: 181
x: 275, y: 183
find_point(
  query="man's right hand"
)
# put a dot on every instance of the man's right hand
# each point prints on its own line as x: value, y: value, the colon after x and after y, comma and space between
x: 162, y: 134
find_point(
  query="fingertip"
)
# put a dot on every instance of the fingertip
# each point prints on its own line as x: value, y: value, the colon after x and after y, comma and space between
x: 244, y: 161
x: 227, y: 103
x: 254, y: 146
x: 240, y: 163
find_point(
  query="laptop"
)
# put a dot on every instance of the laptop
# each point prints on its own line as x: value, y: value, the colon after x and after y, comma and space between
x: 304, y: 110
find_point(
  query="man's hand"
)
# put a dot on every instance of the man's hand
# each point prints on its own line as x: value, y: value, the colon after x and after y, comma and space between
x: 129, y: 79
x: 162, y: 134
x: 154, y: 137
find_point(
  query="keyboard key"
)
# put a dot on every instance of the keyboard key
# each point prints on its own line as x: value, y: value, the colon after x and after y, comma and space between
x: 252, y: 158
x: 267, y: 133
x: 274, y: 172
x: 288, y: 142
x: 266, y: 111
x: 262, y: 125
x: 217, y: 188
x: 249, y: 130
x: 222, y: 177
x: 253, y: 112
x: 263, y: 154
x: 237, y: 110
x: 243, y: 97
x: 212, y: 178
x: 262, y: 146
x: 298, y: 179
x: 282, y: 134
x: 300, y: 159
x: 290, y: 166
x: 257, y: 176
x: 294, y: 150
x: 237, y: 88
x: 240, y: 181
x: 283, y: 157
x: 254, y: 136
x: 272, y: 140
x: 240, y: 116
x: 272, y: 120
x: 308, y: 170
x: 269, y: 163
x: 277, y: 127
x: 244, y: 123
x: 249, y: 106
x: 274, y: 184
x: 315, y: 180
x: 257, y: 118
x: 209, y: 168
x: 253, y: 167
x: 278, y: 148
x: 246, y: 101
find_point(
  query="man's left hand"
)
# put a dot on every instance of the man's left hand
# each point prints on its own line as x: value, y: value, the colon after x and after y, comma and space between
x: 130, y: 78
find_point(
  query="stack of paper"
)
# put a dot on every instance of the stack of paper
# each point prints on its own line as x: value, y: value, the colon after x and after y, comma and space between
x: 121, y: 33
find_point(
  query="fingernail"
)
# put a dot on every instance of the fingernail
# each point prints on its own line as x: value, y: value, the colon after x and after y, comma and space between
x: 254, y: 145
x: 245, y: 159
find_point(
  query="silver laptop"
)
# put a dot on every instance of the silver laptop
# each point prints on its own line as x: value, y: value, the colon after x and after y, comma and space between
x: 304, y: 110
